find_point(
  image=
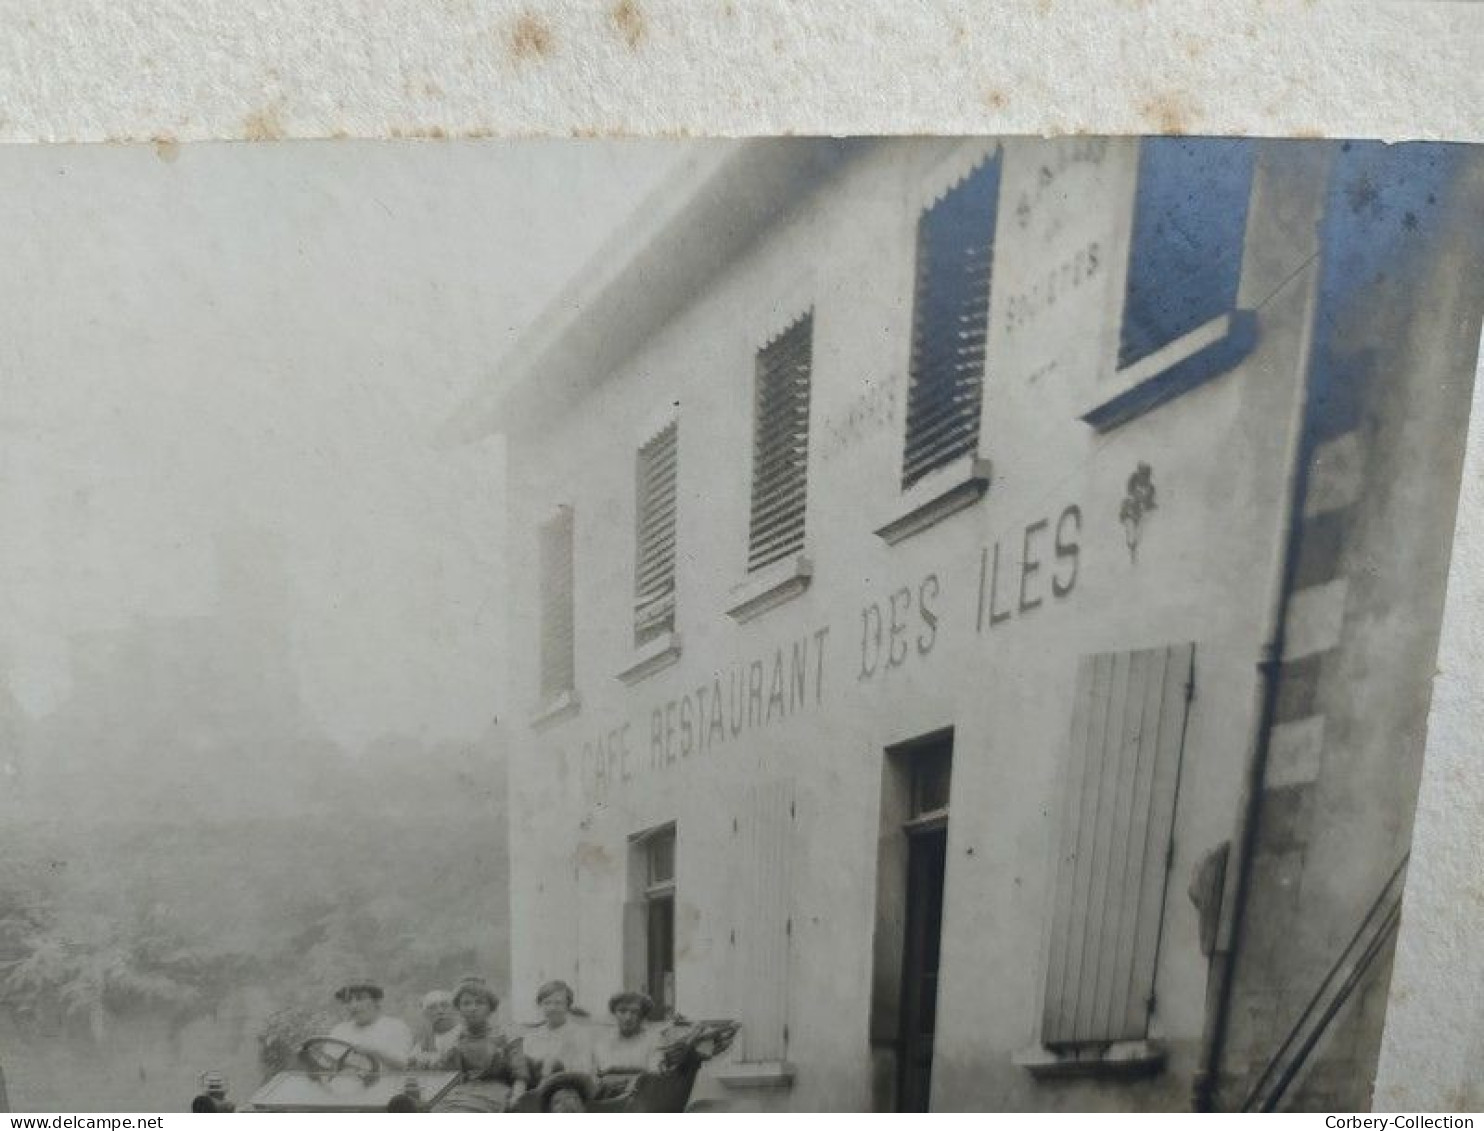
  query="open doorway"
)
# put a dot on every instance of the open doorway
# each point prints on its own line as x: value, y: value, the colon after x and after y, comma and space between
x: 911, y: 878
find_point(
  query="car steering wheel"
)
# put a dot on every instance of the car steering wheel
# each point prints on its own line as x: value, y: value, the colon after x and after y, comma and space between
x: 331, y: 1055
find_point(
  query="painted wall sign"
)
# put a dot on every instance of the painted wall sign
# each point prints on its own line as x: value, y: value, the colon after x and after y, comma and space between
x: 902, y: 626
x: 1084, y: 151
x: 606, y: 758
x: 1137, y: 504
x: 1024, y: 307
x: 1019, y: 574
x: 750, y: 696
x: 874, y: 411
x: 746, y: 697
x: 1045, y: 369
x: 1048, y: 564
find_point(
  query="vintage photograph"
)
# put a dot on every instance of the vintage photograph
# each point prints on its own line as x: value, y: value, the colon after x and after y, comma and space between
x: 866, y: 624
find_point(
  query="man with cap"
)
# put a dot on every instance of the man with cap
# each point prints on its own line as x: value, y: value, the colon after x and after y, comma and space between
x: 386, y: 1038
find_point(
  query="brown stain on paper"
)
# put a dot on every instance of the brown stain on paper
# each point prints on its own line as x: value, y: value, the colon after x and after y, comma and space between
x: 996, y: 99
x: 167, y: 149
x: 531, y: 38
x: 1168, y: 113
x: 424, y: 88
x: 263, y: 125
x: 418, y: 133
x: 628, y: 17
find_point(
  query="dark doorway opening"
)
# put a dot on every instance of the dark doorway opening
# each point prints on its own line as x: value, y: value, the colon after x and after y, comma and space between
x: 911, y: 881
x: 927, y: 852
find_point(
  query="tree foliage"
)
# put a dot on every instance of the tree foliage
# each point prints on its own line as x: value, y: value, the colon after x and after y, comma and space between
x: 171, y: 919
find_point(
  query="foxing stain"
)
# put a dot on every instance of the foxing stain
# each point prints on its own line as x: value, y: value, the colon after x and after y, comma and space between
x: 629, y: 19
x: 263, y: 125
x: 531, y: 38
x: 1169, y: 113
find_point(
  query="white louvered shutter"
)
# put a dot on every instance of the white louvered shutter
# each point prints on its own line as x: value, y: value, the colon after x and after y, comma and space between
x: 654, y: 573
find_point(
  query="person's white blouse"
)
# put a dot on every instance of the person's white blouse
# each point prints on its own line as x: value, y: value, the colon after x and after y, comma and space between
x: 571, y: 1046
x: 639, y: 1053
x: 387, y: 1038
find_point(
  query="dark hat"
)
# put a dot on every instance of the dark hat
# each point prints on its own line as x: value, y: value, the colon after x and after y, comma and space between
x: 553, y: 986
x: 632, y: 997
x: 477, y: 987
x: 359, y: 989
x: 580, y: 1082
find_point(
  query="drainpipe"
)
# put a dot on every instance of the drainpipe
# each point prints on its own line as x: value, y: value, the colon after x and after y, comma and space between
x: 1244, y: 840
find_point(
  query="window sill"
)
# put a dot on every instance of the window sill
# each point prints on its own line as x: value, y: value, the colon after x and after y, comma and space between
x: 770, y: 587
x: 652, y: 656
x: 756, y: 1074
x: 944, y: 492
x: 1206, y: 352
x: 554, y: 708
x: 1121, y: 1059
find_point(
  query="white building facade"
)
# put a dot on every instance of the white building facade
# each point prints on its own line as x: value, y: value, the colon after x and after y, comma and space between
x: 971, y: 615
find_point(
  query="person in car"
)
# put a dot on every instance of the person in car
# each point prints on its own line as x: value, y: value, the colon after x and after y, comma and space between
x: 631, y: 1047
x: 558, y: 1044
x: 492, y: 1070
x: 366, y: 1028
x: 438, y: 1032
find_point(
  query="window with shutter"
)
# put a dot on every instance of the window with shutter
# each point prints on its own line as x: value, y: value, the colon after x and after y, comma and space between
x: 950, y: 322
x: 1128, y: 734
x: 1189, y: 227
x: 649, y: 918
x: 780, y: 445
x: 654, y: 570
x: 558, y: 672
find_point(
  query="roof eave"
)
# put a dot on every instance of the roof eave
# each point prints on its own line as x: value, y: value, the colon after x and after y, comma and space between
x: 680, y: 239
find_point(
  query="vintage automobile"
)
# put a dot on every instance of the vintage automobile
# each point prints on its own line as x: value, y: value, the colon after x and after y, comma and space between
x: 687, y: 1046
x: 330, y: 1076
x: 334, y: 1076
